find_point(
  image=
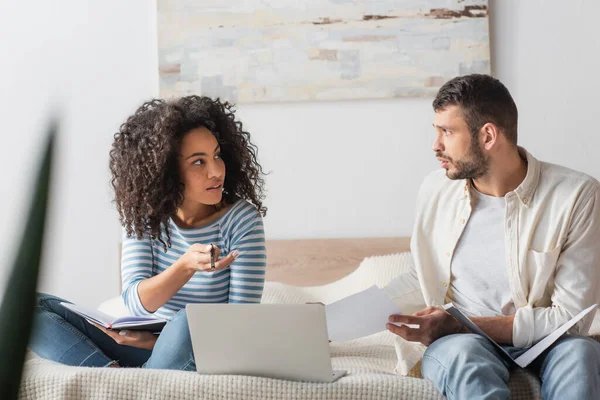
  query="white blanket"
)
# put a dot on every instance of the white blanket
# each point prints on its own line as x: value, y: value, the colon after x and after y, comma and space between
x: 370, y: 362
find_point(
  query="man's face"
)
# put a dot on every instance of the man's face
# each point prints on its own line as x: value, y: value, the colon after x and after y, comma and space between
x: 459, y: 155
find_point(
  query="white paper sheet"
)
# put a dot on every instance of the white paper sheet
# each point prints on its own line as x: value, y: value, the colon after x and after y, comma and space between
x: 359, y: 315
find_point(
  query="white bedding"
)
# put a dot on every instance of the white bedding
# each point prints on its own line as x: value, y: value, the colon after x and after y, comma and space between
x: 370, y: 362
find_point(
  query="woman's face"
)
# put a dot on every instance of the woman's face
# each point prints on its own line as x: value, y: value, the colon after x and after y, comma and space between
x: 201, y: 168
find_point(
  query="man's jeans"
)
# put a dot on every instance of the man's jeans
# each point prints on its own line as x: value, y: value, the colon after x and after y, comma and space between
x: 467, y: 366
x: 61, y: 335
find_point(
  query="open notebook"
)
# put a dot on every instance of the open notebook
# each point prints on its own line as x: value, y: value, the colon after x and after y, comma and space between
x: 534, y: 351
x: 130, y: 322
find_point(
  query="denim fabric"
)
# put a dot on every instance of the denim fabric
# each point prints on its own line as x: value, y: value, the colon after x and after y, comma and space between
x: 61, y: 335
x: 467, y: 366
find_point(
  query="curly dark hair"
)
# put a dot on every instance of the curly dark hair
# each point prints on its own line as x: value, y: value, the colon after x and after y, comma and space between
x: 144, y: 166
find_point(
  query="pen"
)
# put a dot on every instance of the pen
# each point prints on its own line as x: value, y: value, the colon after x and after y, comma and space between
x: 212, y: 257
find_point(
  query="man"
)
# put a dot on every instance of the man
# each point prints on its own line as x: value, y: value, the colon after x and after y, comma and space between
x: 513, y: 242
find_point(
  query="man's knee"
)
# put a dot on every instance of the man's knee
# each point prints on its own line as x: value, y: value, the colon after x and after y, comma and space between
x: 571, y: 369
x: 449, y: 351
x: 577, y: 351
x: 452, y: 346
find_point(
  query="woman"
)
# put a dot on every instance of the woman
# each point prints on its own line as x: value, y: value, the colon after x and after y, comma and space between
x: 187, y: 183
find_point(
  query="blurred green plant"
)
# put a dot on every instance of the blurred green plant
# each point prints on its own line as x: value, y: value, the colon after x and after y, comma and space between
x: 16, y: 312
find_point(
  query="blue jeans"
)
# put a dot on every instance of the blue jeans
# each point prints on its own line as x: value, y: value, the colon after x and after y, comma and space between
x: 467, y: 366
x: 61, y: 335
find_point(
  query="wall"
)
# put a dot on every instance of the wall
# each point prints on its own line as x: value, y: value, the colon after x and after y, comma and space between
x: 343, y: 169
x: 548, y: 54
x: 93, y: 63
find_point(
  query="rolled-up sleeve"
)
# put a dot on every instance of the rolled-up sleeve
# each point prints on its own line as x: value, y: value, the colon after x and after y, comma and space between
x: 576, y: 277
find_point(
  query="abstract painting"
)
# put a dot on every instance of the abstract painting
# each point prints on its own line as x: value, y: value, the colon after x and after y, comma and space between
x: 252, y: 51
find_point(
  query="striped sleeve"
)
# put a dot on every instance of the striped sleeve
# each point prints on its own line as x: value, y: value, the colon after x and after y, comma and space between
x: 136, y: 266
x: 248, y: 270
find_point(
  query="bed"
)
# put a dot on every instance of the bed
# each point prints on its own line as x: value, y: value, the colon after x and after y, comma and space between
x: 298, y: 271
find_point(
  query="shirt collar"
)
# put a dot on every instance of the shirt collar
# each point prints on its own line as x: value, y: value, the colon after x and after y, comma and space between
x: 526, y: 189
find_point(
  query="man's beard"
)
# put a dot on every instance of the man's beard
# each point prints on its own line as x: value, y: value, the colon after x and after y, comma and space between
x: 474, y: 165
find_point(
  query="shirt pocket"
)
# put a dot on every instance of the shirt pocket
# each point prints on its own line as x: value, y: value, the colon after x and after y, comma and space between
x: 541, y: 271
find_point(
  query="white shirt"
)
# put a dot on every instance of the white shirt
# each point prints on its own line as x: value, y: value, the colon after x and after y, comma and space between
x: 479, y: 279
x: 552, y: 247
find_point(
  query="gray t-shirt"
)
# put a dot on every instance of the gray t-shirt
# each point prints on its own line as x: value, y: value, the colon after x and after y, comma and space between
x: 479, y: 277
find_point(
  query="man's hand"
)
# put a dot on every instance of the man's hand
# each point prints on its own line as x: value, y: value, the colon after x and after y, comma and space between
x: 139, y: 339
x: 433, y: 324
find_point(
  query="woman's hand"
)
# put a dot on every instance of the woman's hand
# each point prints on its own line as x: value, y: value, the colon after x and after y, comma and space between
x: 157, y: 290
x: 139, y: 339
x: 198, y: 258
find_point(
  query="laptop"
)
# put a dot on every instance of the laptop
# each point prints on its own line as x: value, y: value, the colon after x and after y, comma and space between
x: 283, y: 341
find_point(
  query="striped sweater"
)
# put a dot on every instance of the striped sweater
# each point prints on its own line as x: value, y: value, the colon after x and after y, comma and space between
x: 240, y: 228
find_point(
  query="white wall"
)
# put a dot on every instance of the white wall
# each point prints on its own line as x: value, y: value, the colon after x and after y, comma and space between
x: 343, y: 169
x: 94, y: 61
x: 548, y: 55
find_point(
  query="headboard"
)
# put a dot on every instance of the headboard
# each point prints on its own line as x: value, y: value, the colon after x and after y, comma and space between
x: 312, y: 262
